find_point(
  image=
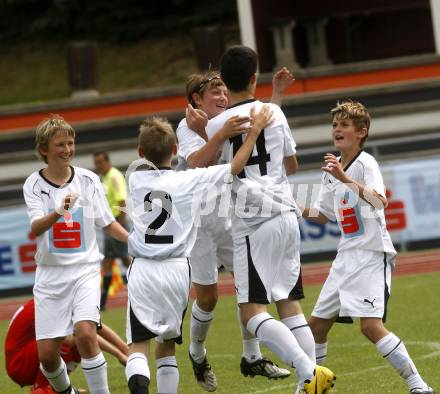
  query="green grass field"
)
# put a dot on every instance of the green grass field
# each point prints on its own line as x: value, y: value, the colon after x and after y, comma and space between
x: 414, y: 316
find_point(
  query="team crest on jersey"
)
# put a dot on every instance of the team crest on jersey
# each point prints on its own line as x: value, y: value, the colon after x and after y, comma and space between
x: 350, y: 217
x: 66, y: 235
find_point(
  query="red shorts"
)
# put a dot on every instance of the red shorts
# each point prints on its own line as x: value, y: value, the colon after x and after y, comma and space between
x: 23, y: 366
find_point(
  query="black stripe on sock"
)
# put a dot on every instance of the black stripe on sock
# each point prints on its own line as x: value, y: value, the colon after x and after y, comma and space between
x: 168, y: 365
x: 91, y: 368
x: 264, y: 321
x: 201, y: 321
x: 294, y: 328
x: 395, y: 347
x: 54, y: 377
x: 134, y: 358
x: 321, y: 357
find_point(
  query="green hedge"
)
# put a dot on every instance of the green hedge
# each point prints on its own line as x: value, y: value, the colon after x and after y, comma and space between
x: 109, y: 20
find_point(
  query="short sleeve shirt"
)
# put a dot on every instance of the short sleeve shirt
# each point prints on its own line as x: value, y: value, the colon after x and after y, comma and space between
x: 72, y: 239
x: 361, y: 225
x: 164, y: 207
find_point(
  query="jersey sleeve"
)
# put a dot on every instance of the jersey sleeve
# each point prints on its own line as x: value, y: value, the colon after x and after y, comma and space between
x: 189, y: 141
x: 289, y: 146
x: 34, y: 202
x: 325, y: 201
x: 102, y: 211
x: 216, y: 175
x: 373, y: 177
x: 289, y: 143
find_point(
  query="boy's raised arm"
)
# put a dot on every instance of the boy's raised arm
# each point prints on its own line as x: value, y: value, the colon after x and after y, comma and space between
x: 334, y: 167
x: 208, y: 154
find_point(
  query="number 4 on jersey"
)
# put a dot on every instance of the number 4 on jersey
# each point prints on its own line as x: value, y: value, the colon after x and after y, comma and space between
x: 261, y: 158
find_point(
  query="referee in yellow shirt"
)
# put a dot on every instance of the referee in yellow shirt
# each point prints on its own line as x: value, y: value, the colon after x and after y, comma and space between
x: 116, y: 193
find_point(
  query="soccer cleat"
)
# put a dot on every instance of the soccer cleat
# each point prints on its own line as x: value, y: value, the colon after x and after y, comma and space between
x: 204, y: 374
x: 321, y: 383
x: 427, y: 390
x: 263, y: 367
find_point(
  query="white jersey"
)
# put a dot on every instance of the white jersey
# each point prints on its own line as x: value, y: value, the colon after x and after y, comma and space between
x: 361, y: 226
x: 261, y: 191
x: 72, y: 241
x: 189, y: 142
x: 165, y: 208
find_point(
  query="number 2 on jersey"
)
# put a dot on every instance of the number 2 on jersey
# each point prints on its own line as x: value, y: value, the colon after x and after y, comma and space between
x: 261, y: 158
x: 156, y: 224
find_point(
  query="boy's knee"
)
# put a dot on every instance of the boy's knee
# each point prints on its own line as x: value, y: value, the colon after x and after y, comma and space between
x: 373, y: 329
x: 319, y: 328
x: 165, y: 349
x: 50, y: 362
x: 86, y: 339
x: 207, y: 300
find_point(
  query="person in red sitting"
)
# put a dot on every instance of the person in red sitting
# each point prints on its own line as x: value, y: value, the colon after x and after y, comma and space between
x: 21, y: 355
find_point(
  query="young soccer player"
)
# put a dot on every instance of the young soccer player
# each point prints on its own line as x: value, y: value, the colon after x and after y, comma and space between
x: 207, y: 95
x: 164, y: 206
x: 21, y: 355
x: 353, y: 193
x: 265, y: 229
x: 64, y: 205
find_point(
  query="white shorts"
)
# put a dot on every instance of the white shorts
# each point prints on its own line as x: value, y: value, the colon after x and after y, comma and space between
x: 65, y: 295
x: 213, y: 248
x: 158, y: 292
x: 267, y: 263
x: 358, y: 285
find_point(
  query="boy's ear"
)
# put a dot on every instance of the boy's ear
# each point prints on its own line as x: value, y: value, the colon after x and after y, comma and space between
x: 253, y: 79
x: 42, y: 151
x: 197, y: 98
x: 141, y: 152
x: 363, y: 132
x: 175, y: 150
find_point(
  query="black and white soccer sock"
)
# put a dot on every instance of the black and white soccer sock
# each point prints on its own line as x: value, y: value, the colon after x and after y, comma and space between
x: 58, y: 379
x: 167, y: 375
x: 393, y: 349
x: 321, y: 352
x: 137, y: 373
x: 95, y: 372
x: 199, y: 326
x: 251, y: 344
x: 301, y: 330
x: 278, y: 338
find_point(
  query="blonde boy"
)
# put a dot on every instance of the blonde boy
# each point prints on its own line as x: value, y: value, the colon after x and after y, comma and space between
x: 64, y: 205
x: 353, y: 193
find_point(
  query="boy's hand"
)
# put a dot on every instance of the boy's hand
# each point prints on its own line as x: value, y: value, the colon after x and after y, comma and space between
x: 67, y: 203
x: 334, y: 167
x: 197, y: 120
x: 235, y: 125
x: 261, y: 119
x: 281, y: 80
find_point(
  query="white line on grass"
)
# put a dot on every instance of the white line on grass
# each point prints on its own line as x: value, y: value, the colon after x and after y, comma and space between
x: 432, y: 345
